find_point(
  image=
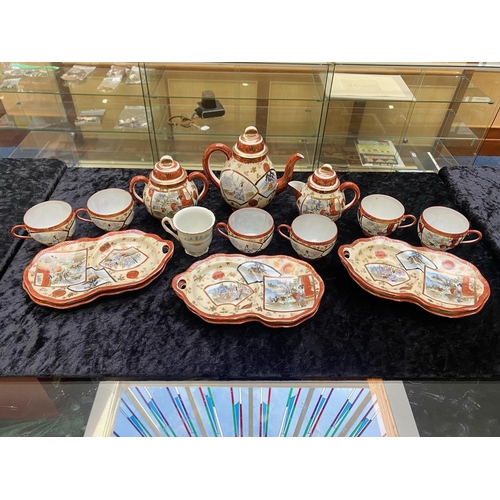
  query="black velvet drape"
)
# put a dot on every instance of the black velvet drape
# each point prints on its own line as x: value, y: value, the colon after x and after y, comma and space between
x: 150, y: 333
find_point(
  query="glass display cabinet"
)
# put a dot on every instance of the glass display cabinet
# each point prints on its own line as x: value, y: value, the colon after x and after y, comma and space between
x: 407, y: 116
x: 355, y: 116
x: 283, y: 101
x: 91, y: 113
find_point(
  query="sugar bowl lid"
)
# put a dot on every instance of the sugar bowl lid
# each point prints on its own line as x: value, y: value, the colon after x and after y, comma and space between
x: 167, y: 171
x: 324, y: 178
x: 250, y: 144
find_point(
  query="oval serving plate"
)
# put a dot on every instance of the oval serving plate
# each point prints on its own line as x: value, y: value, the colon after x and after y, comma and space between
x: 277, y: 291
x: 439, y: 282
x: 76, y: 272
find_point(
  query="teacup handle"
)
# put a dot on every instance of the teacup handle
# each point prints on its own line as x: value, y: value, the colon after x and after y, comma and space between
x: 222, y: 229
x: 412, y: 223
x: 353, y: 187
x: 79, y: 217
x: 472, y: 231
x: 285, y: 227
x: 133, y: 192
x: 168, y: 220
x: 20, y: 236
x: 199, y: 175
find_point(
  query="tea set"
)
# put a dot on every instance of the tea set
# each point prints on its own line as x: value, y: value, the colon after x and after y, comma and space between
x: 248, y: 182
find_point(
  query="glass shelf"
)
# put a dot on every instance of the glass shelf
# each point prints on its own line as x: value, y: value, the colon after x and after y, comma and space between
x: 416, y: 155
x: 296, y: 107
x: 238, y: 81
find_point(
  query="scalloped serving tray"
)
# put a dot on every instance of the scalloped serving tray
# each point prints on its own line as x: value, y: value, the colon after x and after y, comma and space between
x: 439, y: 282
x: 277, y: 291
x: 77, y: 272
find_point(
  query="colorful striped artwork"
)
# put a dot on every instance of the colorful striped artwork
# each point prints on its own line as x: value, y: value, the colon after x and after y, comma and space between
x: 248, y: 411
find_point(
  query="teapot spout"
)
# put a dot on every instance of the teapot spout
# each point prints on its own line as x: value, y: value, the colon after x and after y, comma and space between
x: 297, y: 187
x: 283, y: 181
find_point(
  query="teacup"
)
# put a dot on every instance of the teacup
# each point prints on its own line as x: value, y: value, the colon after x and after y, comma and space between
x: 250, y: 230
x: 312, y: 235
x: 442, y: 228
x: 49, y: 223
x: 193, y: 227
x: 381, y: 215
x: 110, y: 209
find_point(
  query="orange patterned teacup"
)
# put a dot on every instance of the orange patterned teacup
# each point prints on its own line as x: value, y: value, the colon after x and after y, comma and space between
x: 49, y: 223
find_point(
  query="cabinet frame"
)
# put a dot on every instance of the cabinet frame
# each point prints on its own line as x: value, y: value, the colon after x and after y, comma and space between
x: 291, y: 104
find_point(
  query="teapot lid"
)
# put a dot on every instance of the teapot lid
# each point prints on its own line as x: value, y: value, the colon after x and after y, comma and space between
x: 250, y: 144
x: 167, y: 171
x: 324, y: 178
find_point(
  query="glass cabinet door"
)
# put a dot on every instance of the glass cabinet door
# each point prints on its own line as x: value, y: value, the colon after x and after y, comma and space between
x: 196, y: 105
x: 354, y: 116
x: 385, y: 117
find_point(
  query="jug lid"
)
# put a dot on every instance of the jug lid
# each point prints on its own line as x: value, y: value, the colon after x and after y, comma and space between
x: 250, y: 144
x: 324, y: 178
x: 167, y: 171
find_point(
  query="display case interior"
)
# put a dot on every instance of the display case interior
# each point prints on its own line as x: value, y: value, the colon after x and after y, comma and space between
x: 284, y: 102
x: 413, y: 117
x: 421, y: 116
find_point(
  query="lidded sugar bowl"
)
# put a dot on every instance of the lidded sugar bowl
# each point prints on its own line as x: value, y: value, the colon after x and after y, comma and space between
x: 323, y: 193
x: 168, y: 189
x: 248, y: 177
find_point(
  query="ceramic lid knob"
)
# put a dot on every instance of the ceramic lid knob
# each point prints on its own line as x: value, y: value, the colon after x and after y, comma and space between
x: 168, y: 171
x: 324, y: 178
x: 250, y: 144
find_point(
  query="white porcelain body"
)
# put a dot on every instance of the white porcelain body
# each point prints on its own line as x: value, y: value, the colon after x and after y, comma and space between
x: 49, y: 223
x: 250, y: 230
x: 193, y: 227
x: 168, y: 189
x: 323, y: 194
x: 109, y: 209
x: 312, y: 236
x: 381, y: 215
x: 248, y: 177
x: 442, y: 228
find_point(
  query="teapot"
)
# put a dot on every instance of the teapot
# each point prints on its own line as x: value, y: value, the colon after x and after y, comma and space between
x: 248, y: 178
x: 168, y: 189
x: 323, y: 193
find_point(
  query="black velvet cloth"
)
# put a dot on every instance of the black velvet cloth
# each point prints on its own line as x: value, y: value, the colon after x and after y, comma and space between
x: 476, y: 191
x: 150, y: 334
x: 23, y: 183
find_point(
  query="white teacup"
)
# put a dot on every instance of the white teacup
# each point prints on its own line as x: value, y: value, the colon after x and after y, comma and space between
x: 250, y: 230
x: 442, y: 228
x: 193, y: 227
x: 381, y: 215
x: 49, y: 223
x: 110, y: 209
x: 312, y: 235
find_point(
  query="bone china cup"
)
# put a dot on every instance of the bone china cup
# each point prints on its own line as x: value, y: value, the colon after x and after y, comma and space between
x: 110, y: 209
x: 312, y: 235
x: 193, y: 227
x: 381, y: 215
x: 49, y: 223
x: 250, y: 230
x: 442, y: 228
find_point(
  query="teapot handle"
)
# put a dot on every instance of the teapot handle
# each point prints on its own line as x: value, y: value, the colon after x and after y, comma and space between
x: 205, y: 160
x: 199, y: 175
x: 355, y: 188
x: 133, y: 182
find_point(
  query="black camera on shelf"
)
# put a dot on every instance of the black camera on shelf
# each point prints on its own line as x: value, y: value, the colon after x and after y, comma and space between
x: 209, y: 107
